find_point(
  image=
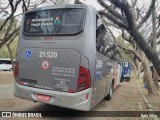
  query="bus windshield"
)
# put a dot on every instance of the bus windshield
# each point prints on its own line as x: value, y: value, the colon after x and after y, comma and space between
x: 54, y: 21
x: 5, y: 62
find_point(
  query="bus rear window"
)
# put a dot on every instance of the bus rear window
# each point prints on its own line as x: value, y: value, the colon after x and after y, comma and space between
x: 54, y: 21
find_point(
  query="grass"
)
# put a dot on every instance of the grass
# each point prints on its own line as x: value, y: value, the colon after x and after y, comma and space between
x: 153, y: 100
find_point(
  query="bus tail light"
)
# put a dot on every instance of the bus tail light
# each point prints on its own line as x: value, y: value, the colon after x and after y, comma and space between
x: 84, y: 79
x: 16, y: 67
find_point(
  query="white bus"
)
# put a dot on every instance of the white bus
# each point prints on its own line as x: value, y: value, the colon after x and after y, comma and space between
x: 6, y: 64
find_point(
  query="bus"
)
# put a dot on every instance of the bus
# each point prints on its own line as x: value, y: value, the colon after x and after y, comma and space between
x: 64, y: 58
x: 6, y: 64
x: 125, y: 71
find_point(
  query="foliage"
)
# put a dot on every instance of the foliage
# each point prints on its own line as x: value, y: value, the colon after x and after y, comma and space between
x: 9, y: 24
x: 4, y: 53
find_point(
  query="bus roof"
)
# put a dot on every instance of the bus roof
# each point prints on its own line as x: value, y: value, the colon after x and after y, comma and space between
x: 6, y: 59
x: 59, y: 6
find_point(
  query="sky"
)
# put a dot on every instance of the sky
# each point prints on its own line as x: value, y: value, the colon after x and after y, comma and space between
x: 88, y: 2
x: 141, y: 3
x: 93, y: 3
x: 98, y: 6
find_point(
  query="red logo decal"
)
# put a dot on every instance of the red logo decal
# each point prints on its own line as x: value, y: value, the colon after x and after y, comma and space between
x: 45, y: 65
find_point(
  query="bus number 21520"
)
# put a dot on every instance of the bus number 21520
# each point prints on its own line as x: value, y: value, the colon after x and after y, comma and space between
x: 47, y: 54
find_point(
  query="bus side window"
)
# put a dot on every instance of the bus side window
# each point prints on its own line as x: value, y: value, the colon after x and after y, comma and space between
x: 98, y: 46
x: 100, y: 34
x: 97, y: 21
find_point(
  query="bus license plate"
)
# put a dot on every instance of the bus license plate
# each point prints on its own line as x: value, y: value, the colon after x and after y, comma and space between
x: 43, y: 97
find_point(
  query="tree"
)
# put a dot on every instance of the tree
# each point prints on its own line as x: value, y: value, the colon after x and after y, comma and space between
x: 123, y: 14
x: 9, y: 26
x: 8, y: 13
x: 77, y: 2
x: 119, y: 21
x: 139, y: 54
x: 154, y: 44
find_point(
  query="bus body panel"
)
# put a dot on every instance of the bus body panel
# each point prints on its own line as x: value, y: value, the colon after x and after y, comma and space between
x: 103, y: 78
x: 117, y: 74
x: 46, y: 68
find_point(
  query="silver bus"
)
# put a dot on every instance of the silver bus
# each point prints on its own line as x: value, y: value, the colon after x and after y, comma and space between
x: 63, y: 58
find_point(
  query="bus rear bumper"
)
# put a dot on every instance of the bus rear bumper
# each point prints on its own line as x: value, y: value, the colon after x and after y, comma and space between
x: 77, y: 101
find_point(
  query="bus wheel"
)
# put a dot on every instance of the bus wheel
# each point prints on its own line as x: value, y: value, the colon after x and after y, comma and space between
x: 121, y: 80
x: 128, y: 79
x: 109, y: 96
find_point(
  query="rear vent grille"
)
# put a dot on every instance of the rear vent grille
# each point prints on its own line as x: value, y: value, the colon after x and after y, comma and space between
x: 28, y: 81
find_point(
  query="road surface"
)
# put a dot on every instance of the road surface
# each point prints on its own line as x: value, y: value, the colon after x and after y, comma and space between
x: 126, y: 97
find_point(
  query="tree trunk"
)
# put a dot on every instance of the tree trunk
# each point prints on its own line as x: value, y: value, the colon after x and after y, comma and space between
x: 148, y: 75
x: 134, y: 67
x: 155, y: 78
x: 138, y: 66
x: 149, y: 52
x: 148, y: 79
x: 154, y: 45
x: 139, y: 38
x: 139, y: 70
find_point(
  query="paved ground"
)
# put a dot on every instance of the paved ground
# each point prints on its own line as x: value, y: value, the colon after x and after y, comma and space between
x: 6, y: 77
x: 125, y: 98
x: 6, y: 91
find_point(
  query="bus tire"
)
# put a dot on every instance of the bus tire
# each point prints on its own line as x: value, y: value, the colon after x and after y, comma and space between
x: 127, y: 79
x: 109, y: 96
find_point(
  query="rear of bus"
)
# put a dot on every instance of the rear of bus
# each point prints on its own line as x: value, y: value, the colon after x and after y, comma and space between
x: 56, y: 56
